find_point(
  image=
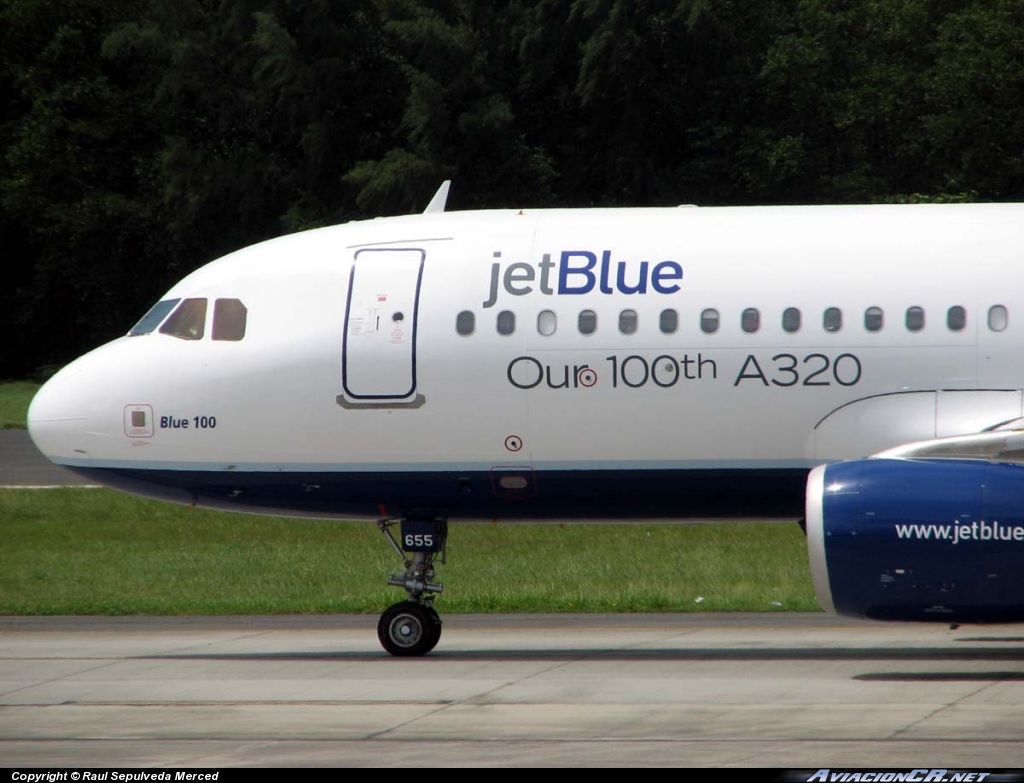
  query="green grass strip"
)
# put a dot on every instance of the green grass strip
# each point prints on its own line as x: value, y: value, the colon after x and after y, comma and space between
x: 14, y: 399
x: 81, y: 551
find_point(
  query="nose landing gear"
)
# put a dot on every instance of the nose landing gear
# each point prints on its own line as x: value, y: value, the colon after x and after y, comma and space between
x: 412, y: 627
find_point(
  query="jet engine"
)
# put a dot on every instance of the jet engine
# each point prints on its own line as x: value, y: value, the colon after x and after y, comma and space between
x: 933, y: 531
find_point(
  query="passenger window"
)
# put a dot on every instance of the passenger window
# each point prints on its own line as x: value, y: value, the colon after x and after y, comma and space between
x: 750, y: 321
x: 832, y: 321
x: 506, y: 322
x: 915, y: 319
x: 152, y: 319
x: 628, y: 321
x: 229, y: 318
x: 998, y: 318
x: 709, y: 321
x: 956, y: 318
x: 587, y: 322
x: 465, y: 323
x: 547, y: 322
x: 873, y: 319
x: 669, y: 321
x: 791, y: 320
x: 188, y: 322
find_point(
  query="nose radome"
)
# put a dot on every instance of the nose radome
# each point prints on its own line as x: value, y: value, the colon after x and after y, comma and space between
x: 57, y: 419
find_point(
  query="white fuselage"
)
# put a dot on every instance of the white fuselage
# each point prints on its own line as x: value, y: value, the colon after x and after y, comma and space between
x: 352, y: 361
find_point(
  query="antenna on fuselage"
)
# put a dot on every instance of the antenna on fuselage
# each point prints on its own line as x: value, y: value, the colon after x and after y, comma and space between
x: 440, y: 198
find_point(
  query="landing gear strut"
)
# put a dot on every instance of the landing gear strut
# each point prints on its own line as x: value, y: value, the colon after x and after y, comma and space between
x: 412, y: 627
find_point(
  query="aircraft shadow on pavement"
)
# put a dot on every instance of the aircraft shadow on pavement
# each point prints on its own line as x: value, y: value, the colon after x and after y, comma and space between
x: 1010, y: 639
x: 710, y: 654
x: 939, y: 676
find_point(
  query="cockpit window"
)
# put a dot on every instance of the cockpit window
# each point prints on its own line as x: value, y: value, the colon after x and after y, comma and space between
x: 188, y: 321
x: 152, y: 319
x: 229, y: 316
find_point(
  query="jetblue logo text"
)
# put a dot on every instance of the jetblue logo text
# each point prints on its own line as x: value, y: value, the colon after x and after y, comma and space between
x: 581, y: 272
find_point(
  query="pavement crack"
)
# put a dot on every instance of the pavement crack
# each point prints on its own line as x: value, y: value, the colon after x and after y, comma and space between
x: 900, y: 733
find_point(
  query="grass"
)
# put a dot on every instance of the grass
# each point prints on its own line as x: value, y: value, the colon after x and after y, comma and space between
x: 14, y: 399
x: 81, y: 551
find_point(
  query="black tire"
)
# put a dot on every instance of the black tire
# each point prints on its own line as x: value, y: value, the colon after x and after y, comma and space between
x: 408, y: 629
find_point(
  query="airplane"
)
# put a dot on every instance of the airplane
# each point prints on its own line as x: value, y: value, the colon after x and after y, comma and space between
x: 588, y: 365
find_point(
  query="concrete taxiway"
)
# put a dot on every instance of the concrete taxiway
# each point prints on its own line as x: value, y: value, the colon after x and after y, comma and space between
x: 780, y: 690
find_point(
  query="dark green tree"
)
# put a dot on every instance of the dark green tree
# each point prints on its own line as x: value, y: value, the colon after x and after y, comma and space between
x: 881, y: 100
x: 973, y: 119
x: 458, y: 121
x: 76, y: 224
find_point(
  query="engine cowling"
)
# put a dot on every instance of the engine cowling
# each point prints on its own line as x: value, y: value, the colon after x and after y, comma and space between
x: 902, y: 539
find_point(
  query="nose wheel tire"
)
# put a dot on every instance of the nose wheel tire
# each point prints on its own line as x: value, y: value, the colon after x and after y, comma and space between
x: 409, y: 629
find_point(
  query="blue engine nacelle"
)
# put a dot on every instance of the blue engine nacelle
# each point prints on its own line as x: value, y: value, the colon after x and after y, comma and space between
x: 897, y: 539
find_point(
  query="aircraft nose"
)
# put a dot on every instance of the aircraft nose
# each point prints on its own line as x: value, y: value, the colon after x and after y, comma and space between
x: 57, y: 420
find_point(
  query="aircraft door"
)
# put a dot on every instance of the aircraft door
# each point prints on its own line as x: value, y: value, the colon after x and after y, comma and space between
x: 379, y: 343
